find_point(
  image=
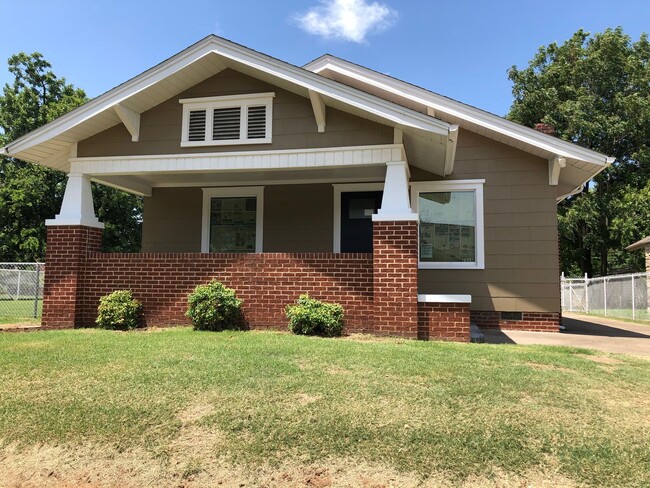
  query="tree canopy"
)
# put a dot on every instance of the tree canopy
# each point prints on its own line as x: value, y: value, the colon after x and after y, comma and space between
x: 29, y: 193
x: 595, y: 92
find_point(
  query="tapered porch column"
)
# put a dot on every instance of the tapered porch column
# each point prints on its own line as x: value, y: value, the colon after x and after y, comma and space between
x: 74, y: 233
x: 395, y: 257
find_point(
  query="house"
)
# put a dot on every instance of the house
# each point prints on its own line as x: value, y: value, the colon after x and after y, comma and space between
x: 416, y: 212
x: 645, y: 245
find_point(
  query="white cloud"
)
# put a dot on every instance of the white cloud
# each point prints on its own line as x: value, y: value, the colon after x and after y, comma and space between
x: 351, y: 20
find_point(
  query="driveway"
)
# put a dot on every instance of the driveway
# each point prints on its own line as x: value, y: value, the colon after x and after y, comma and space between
x: 606, y: 335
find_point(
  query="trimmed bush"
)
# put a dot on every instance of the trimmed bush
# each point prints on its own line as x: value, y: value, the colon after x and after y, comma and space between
x: 214, y: 307
x: 119, y: 311
x: 313, y: 317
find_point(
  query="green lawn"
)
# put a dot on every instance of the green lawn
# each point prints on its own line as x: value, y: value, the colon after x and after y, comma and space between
x: 19, y: 310
x: 641, y: 316
x: 184, y: 408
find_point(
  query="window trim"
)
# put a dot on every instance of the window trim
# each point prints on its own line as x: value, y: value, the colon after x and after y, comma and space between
x: 228, y: 101
x: 454, y: 185
x: 345, y: 188
x: 241, y: 191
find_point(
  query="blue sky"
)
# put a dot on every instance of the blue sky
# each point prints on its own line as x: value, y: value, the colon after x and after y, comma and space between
x: 461, y: 49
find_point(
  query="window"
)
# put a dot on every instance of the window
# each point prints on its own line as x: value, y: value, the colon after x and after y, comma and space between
x: 451, y: 223
x: 232, y: 219
x: 233, y: 119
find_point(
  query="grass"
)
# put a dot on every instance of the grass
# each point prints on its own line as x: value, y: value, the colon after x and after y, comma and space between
x: 641, y: 316
x: 19, y: 311
x: 276, y: 409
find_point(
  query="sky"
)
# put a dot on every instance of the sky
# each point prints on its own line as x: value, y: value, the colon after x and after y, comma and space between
x: 461, y: 49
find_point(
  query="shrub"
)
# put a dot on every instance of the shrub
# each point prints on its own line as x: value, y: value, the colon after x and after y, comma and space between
x: 214, y: 307
x: 313, y: 317
x: 118, y: 310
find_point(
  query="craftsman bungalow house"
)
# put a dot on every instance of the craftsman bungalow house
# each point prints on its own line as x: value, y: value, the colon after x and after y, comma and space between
x: 414, y: 211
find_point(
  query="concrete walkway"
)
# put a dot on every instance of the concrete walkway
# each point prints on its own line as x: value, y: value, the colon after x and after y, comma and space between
x: 606, y: 335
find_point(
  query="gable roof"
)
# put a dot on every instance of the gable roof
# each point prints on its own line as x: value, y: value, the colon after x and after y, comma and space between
x: 429, y: 122
x: 583, y: 163
x: 49, y: 145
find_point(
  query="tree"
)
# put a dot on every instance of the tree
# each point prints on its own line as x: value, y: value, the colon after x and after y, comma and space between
x: 595, y: 92
x: 29, y: 193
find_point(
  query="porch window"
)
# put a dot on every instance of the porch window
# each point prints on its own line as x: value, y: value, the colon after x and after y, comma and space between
x: 450, y: 223
x: 232, y: 119
x: 232, y: 219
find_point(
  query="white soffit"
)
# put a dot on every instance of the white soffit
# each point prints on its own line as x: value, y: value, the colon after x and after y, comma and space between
x: 49, y: 144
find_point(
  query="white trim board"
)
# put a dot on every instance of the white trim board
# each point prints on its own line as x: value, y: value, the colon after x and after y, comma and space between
x: 343, y: 188
x: 238, y: 161
x: 247, y: 191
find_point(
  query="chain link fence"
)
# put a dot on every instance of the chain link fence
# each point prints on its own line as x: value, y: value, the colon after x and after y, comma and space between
x: 620, y: 296
x: 21, y: 290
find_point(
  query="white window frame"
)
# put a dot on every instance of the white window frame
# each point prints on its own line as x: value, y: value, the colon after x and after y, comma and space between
x: 228, y: 101
x: 243, y: 191
x: 475, y: 186
x: 344, y: 188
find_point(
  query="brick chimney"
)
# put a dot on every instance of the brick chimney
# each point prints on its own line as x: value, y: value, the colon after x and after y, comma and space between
x: 545, y: 128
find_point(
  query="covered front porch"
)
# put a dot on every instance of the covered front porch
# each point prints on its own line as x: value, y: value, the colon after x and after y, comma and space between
x: 335, y: 223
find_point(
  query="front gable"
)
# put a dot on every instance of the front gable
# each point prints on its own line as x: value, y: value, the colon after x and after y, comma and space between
x: 293, y: 124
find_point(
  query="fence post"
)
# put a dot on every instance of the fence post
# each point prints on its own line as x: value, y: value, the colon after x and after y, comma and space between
x: 586, y: 293
x: 18, y: 286
x: 633, y: 300
x: 571, y: 296
x: 38, y: 288
x: 605, y: 294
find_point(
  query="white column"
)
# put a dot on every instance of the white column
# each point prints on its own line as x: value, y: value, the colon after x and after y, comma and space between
x: 395, y: 204
x: 77, y: 207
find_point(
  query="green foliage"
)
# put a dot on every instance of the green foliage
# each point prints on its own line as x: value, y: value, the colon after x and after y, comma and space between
x: 313, y: 317
x: 30, y: 194
x: 595, y: 92
x: 214, y: 307
x: 119, y: 311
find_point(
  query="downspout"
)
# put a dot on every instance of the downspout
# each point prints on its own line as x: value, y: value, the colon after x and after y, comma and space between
x: 450, y: 154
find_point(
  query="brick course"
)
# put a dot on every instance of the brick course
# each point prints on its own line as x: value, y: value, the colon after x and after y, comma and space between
x: 531, y: 321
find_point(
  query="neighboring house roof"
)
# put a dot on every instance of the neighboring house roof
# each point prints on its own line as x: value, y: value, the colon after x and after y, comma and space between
x: 582, y: 164
x: 639, y: 244
x: 429, y: 122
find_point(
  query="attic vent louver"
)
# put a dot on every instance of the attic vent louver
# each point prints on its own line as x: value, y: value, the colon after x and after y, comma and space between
x: 226, y: 123
x: 196, y: 131
x: 231, y: 119
x: 257, y: 122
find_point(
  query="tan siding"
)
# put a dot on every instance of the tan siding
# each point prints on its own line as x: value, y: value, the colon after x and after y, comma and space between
x: 172, y: 220
x: 294, y: 126
x: 521, y: 248
x: 297, y: 218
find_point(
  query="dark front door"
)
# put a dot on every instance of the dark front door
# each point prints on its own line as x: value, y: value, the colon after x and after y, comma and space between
x: 356, y: 219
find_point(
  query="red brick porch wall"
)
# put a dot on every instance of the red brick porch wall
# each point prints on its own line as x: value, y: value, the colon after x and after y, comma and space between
x: 443, y: 321
x: 266, y: 283
x: 531, y: 321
